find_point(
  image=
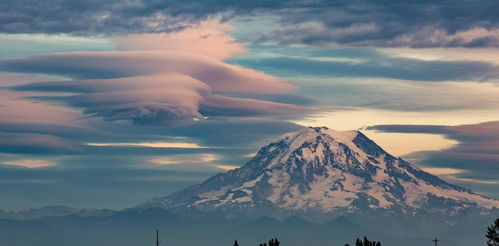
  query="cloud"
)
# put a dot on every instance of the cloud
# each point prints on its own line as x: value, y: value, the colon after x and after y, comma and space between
x: 389, y: 24
x: 35, y: 127
x: 151, y: 144
x: 91, y: 17
x: 88, y: 17
x: 185, y: 105
x: 208, y: 38
x: 221, y: 77
x: 243, y: 133
x: 169, y: 84
x: 173, y: 81
x: 372, y: 78
x: 375, y: 79
x: 226, y: 167
x: 197, y: 162
x: 36, y: 144
x: 246, y: 107
x: 372, y: 63
x: 160, y: 99
x: 13, y: 79
x: 477, y: 153
x: 370, y: 35
x: 179, y: 159
x: 321, y: 22
x: 442, y: 171
x: 30, y: 163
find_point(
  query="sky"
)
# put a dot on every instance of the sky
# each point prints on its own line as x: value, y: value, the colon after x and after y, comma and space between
x: 105, y: 104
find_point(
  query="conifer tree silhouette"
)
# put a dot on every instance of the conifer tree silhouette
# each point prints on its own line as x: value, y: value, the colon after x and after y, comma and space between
x: 366, y: 242
x: 235, y: 243
x: 358, y: 242
x: 272, y: 242
x: 493, y: 234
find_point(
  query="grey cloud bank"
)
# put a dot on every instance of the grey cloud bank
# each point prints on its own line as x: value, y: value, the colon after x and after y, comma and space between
x: 317, y: 23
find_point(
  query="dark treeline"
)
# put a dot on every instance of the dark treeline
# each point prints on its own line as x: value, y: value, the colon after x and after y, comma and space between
x: 492, y: 236
x: 359, y: 242
x: 365, y: 242
x: 272, y: 242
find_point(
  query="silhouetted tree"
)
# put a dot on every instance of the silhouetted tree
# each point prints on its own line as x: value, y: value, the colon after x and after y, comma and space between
x: 358, y: 242
x: 235, y: 243
x: 493, y: 234
x: 365, y: 242
x: 272, y: 242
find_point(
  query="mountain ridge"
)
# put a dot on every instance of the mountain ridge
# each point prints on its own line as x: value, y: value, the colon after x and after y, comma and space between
x: 319, y: 171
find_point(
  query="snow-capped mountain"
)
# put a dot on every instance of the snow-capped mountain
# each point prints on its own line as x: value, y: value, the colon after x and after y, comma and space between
x: 322, y: 171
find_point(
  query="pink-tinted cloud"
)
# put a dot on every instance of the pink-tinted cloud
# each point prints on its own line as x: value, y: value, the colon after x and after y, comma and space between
x: 36, y: 144
x: 160, y: 99
x: 12, y: 79
x: 221, y: 77
x: 16, y: 107
x: 155, y: 87
x: 33, y: 126
x: 30, y: 163
x: 155, y: 79
x: 208, y: 38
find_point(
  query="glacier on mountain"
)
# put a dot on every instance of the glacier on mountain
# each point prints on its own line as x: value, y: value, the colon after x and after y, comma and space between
x: 322, y: 171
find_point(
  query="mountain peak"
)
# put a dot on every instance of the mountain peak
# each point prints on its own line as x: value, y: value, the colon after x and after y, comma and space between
x: 321, y: 146
x: 311, y: 133
x: 318, y: 170
x: 339, y: 136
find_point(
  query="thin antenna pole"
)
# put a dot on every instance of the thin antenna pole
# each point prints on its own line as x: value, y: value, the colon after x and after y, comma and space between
x: 157, y: 237
x: 435, y: 241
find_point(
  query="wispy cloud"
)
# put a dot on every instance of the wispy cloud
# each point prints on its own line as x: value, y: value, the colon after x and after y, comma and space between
x: 30, y: 163
x: 183, y: 159
x: 197, y: 162
x: 442, y: 171
x: 473, y: 159
x: 226, y: 167
x: 152, y: 145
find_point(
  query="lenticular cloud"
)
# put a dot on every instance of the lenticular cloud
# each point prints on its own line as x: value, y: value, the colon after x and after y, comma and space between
x: 157, y: 87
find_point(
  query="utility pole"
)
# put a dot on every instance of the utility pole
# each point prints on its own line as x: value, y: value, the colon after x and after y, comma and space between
x: 435, y: 241
x: 157, y: 237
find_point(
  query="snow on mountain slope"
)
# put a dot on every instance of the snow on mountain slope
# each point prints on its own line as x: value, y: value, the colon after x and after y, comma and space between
x: 321, y: 170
